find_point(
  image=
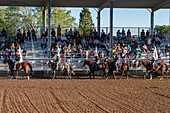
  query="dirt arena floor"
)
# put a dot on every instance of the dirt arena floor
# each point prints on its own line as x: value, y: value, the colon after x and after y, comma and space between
x: 84, y: 95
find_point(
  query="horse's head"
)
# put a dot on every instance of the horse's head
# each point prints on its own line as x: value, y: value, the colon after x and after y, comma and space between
x: 140, y: 63
x: 5, y: 60
x: 106, y: 59
x: 48, y: 62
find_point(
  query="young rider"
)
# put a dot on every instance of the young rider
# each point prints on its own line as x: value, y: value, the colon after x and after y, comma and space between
x: 58, y: 61
x: 17, y: 59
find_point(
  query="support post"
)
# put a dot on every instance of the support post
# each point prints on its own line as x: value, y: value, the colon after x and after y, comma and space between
x: 49, y: 27
x: 111, y: 29
x: 98, y: 22
x: 44, y: 20
x: 152, y: 22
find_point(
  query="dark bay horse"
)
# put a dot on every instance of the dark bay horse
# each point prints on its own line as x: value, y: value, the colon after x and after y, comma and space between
x: 61, y: 67
x: 19, y: 66
x: 149, y: 68
x: 101, y: 66
x: 112, y: 68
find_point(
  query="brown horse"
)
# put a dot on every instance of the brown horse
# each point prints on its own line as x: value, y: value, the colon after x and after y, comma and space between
x: 112, y: 68
x: 149, y: 68
x: 100, y: 66
x: 19, y: 66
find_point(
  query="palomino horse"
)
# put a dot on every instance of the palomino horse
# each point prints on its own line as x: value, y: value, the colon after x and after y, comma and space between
x: 19, y: 66
x: 61, y: 67
x: 100, y: 66
x: 112, y: 68
x: 161, y: 66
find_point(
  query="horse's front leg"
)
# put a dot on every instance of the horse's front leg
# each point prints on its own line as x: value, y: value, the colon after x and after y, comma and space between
x: 126, y: 74
x: 114, y: 75
x: 54, y: 74
x: 163, y: 75
x: 122, y: 74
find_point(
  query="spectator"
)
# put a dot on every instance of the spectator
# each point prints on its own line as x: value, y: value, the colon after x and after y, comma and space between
x: 153, y: 42
x: 133, y: 39
x: 4, y: 33
x: 59, y: 31
x: 19, y: 35
x: 103, y: 36
x: 63, y: 38
x: 123, y: 34
x: 138, y: 51
x: 83, y: 42
x: 28, y: 35
x: 143, y: 37
x: 76, y: 33
x: 128, y: 33
x: 53, y: 44
x: 70, y: 34
x: 52, y: 51
x: 66, y: 33
x: 59, y: 43
x: 43, y: 43
x: 96, y: 43
x: 33, y: 34
x: 53, y: 34
x: 74, y: 48
x: 144, y: 48
x: 157, y: 40
x: 119, y: 34
x: 46, y: 33
x: 24, y: 49
x: 149, y: 42
x: 147, y: 33
x: 167, y: 48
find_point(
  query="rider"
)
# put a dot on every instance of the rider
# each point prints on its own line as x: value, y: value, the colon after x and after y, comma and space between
x: 96, y: 62
x: 17, y: 59
x: 58, y: 61
x: 116, y: 61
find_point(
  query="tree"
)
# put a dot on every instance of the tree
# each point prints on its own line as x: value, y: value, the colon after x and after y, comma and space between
x: 164, y: 28
x: 85, y: 22
x: 31, y: 17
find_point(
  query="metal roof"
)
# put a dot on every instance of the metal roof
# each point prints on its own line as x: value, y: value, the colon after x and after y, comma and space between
x: 155, y: 4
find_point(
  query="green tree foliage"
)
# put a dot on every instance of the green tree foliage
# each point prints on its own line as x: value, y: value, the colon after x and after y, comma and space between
x: 164, y: 28
x: 31, y: 17
x: 85, y: 22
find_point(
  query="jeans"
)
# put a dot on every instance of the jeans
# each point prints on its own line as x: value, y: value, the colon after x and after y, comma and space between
x: 116, y: 65
x: 15, y: 64
x: 57, y: 64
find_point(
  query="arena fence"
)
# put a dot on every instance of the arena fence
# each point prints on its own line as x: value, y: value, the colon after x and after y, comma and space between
x: 72, y: 60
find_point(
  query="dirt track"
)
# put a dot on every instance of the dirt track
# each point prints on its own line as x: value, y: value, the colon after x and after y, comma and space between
x: 84, y: 95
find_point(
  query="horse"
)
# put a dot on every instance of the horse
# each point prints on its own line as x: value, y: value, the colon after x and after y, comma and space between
x: 100, y: 66
x: 112, y: 68
x: 149, y: 68
x: 66, y: 67
x: 19, y: 66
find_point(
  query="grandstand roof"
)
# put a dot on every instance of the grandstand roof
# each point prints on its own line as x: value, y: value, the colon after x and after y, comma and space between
x: 155, y: 4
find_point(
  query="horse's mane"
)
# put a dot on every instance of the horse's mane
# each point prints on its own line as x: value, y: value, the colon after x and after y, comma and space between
x: 10, y: 61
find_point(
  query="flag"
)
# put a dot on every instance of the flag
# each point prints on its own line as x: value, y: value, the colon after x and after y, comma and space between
x: 96, y: 52
x: 155, y: 55
x: 21, y: 59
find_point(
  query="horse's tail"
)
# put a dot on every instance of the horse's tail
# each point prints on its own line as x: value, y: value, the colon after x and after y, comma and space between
x: 71, y: 69
x: 30, y: 66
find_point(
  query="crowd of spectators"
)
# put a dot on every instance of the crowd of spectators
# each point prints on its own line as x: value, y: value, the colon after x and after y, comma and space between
x: 73, y: 43
x: 10, y: 47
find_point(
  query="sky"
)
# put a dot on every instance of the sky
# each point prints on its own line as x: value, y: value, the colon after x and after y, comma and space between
x: 126, y: 17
